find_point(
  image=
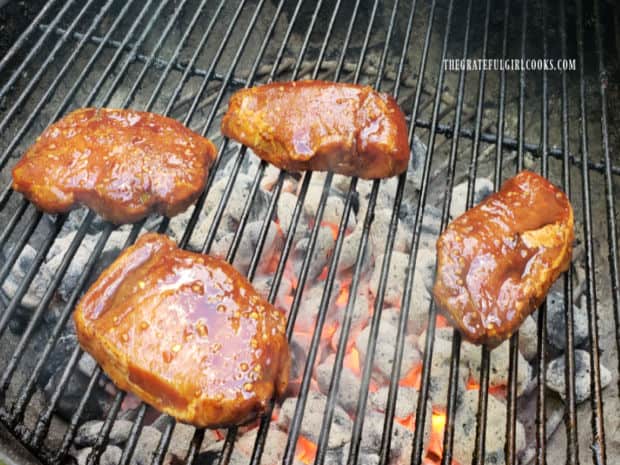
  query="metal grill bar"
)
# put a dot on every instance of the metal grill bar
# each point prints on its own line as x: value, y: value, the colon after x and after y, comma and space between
x: 572, y: 444
x: 27, y: 391
x: 541, y: 331
x: 325, y: 297
x: 7, y: 86
x: 43, y: 251
x: 447, y: 130
x: 103, y: 434
x: 598, y: 426
x: 20, y: 133
x: 132, y: 53
x: 448, y: 437
x: 511, y: 420
x: 45, y: 300
x: 230, y: 438
x: 63, y: 39
x: 98, y: 448
x: 420, y: 417
x: 481, y: 415
x: 151, y: 58
x: 610, y: 198
x: 38, y: 260
x: 21, y: 41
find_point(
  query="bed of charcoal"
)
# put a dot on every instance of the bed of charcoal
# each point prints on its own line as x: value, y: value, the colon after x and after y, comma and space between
x: 209, y: 106
x: 311, y: 297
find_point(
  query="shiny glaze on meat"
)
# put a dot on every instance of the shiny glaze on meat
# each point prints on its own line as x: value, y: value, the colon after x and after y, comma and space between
x: 497, y: 261
x: 322, y: 126
x: 124, y: 164
x: 186, y: 333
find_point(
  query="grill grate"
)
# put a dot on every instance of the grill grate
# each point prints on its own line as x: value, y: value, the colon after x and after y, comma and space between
x: 184, y: 58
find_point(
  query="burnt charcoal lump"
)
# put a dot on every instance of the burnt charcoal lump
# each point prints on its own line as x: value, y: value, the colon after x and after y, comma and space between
x: 556, y: 322
x: 556, y: 380
x: 465, y: 430
x: 88, y: 432
x: 110, y: 456
x: 340, y: 432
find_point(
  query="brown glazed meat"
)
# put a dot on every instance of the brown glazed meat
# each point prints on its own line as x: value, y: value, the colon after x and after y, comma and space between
x: 124, y: 164
x: 186, y: 333
x: 497, y: 261
x: 323, y: 126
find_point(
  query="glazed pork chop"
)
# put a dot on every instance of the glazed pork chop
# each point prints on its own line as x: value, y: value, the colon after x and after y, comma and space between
x: 124, y: 164
x: 186, y: 333
x: 323, y: 126
x: 497, y: 261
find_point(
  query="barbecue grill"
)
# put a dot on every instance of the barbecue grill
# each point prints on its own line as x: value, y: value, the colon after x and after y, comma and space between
x: 337, y: 241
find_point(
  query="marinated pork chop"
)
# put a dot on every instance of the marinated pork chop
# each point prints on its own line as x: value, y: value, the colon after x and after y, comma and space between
x: 124, y: 164
x: 497, y: 261
x: 186, y: 333
x: 322, y: 126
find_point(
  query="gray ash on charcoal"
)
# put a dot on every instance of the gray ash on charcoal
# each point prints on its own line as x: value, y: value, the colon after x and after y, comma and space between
x: 340, y: 432
x: 465, y: 430
x: 146, y: 446
x: 383, y: 353
x: 347, y: 397
x: 556, y: 381
x: 556, y: 322
x: 98, y: 402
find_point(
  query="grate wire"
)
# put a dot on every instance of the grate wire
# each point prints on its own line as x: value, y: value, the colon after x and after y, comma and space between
x: 131, y: 50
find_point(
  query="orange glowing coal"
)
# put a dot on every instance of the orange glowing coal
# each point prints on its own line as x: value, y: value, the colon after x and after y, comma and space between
x: 288, y: 301
x: 306, y: 450
x: 441, y: 322
x: 439, y: 422
x: 408, y: 421
x: 332, y: 226
x: 498, y: 390
x: 352, y: 361
x: 472, y: 384
x: 412, y: 378
x: 272, y: 266
x: 438, y: 425
x: 343, y: 297
x: 329, y: 330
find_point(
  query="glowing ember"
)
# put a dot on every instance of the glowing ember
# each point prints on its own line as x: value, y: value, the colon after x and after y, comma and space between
x: 289, y: 272
x: 498, y: 390
x: 472, y: 384
x: 438, y: 424
x: 441, y: 322
x: 343, y: 297
x: 412, y: 378
x: 272, y: 266
x: 333, y: 227
x: 306, y: 450
x: 328, y: 331
x: 288, y: 301
x: 408, y: 421
x: 352, y: 361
